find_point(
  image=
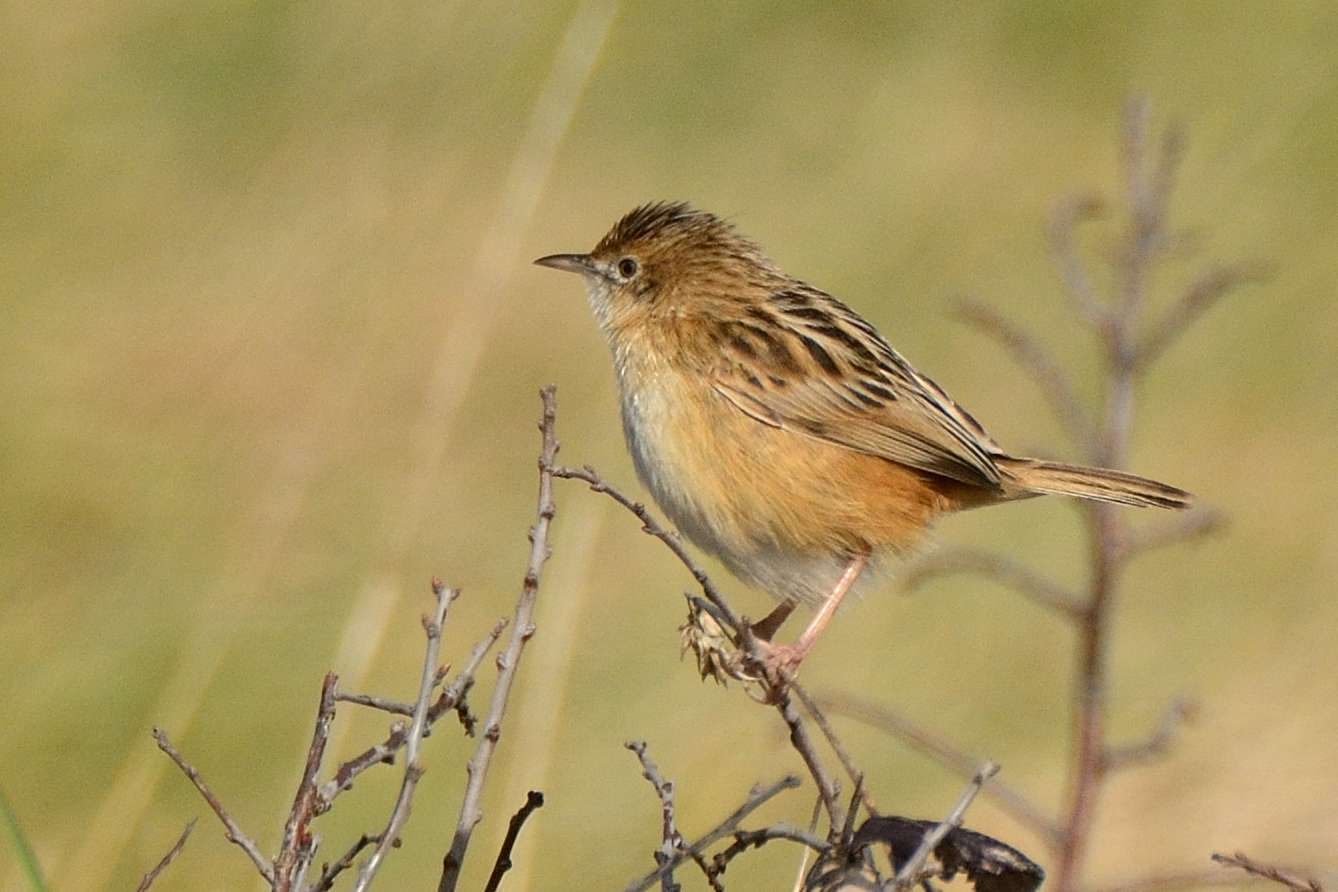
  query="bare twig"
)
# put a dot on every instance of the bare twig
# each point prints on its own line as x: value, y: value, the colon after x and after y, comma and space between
x: 1197, y: 521
x: 654, y: 528
x: 1201, y: 295
x: 1158, y: 743
x: 910, y: 872
x: 296, y: 840
x: 330, y: 871
x: 1003, y: 570
x: 755, y: 839
x: 384, y: 704
x: 828, y: 788
x: 167, y: 859
x: 843, y: 756
x: 533, y: 801
x: 1045, y: 371
x: 1066, y: 219
x: 1288, y: 878
x: 413, y: 766
x: 951, y: 757
x: 670, y: 839
x: 508, y: 662
x: 756, y: 797
x: 235, y: 834
x: 385, y: 751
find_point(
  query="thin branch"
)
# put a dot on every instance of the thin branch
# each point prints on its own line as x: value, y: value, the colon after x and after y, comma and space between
x: 384, y: 704
x: 413, y: 766
x: 296, y: 839
x: 910, y: 872
x: 534, y: 800
x: 755, y: 839
x: 167, y: 859
x: 1037, y: 360
x: 508, y: 662
x: 828, y: 788
x: 653, y: 527
x: 948, y: 755
x: 235, y: 834
x: 842, y: 754
x: 1001, y: 569
x: 1197, y: 521
x: 1077, y: 284
x: 670, y: 839
x: 1158, y: 743
x: 1288, y: 878
x: 330, y: 871
x: 1200, y: 297
x: 757, y: 796
x: 385, y: 751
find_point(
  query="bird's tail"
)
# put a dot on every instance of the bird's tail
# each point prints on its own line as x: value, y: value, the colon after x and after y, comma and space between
x: 1032, y: 476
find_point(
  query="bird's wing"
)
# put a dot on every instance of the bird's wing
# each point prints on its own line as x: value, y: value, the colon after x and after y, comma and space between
x: 808, y: 363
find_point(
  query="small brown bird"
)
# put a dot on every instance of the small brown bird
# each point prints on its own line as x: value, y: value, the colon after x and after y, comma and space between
x: 777, y: 428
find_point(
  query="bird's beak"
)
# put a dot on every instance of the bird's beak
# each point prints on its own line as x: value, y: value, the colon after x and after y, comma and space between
x: 572, y: 263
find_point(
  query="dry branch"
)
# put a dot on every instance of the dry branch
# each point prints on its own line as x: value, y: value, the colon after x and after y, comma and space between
x: 148, y: 878
x: 508, y: 662
x: 534, y: 800
x: 1289, y: 878
x: 910, y: 873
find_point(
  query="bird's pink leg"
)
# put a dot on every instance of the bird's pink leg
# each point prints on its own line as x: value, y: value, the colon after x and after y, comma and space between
x: 783, y: 659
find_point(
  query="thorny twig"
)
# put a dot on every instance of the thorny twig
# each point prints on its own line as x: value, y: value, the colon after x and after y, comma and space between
x: 167, y: 859
x: 413, y: 766
x: 508, y: 662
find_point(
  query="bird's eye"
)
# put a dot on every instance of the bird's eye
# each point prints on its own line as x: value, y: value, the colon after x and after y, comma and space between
x: 627, y: 267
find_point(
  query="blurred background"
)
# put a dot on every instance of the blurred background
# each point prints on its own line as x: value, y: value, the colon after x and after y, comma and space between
x: 271, y: 345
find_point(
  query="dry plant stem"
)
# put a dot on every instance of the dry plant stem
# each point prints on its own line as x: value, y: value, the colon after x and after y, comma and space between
x: 842, y: 754
x: 296, y: 849
x: 235, y: 834
x: 1008, y: 798
x: 1158, y: 743
x: 1197, y: 521
x: 1288, y: 878
x: 330, y: 871
x: 413, y: 766
x: 508, y: 662
x: 384, y: 704
x: 756, y: 797
x: 1045, y: 370
x: 910, y: 873
x: 1004, y: 570
x: 167, y: 859
x: 755, y: 839
x: 670, y: 839
x: 534, y: 800
x: 828, y: 788
x: 385, y: 751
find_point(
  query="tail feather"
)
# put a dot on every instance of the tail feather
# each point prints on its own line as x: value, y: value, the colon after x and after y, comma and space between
x: 1032, y: 476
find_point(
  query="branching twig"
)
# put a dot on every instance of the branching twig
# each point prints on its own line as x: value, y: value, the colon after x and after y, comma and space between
x: 1157, y: 743
x: 1004, y: 570
x: 385, y: 704
x: 330, y: 871
x: 1288, y: 878
x: 1067, y: 217
x: 167, y: 859
x: 296, y: 849
x: 534, y: 800
x: 670, y: 839
x: 842, y: 755
x: 756, y: 797
x: 1205, y: 291
x: 910, y: 872
x: 508, y: 662
x: 413, y: 766
x: 235, y: 834
x: 1045, y: 371
x: 1197, y: 521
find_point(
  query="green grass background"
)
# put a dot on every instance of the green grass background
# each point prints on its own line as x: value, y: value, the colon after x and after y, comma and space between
x: 271, y: 345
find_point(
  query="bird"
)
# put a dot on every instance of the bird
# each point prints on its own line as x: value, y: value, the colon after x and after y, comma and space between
x: 778, y: 430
